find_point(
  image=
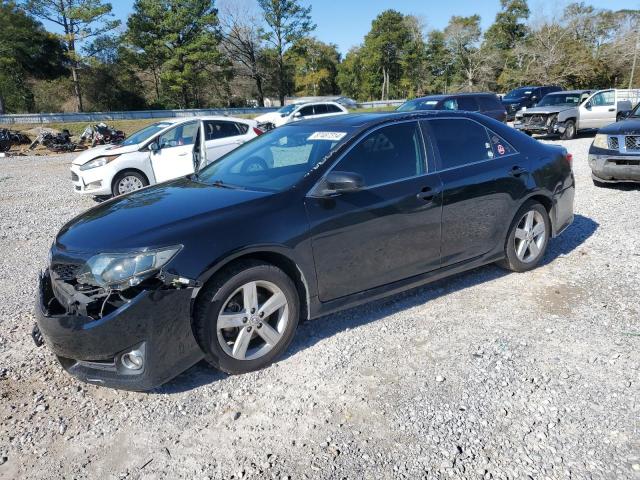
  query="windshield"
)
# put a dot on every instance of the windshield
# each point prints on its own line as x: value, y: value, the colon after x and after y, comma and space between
x: 147, y: 132
x: 418, y: 104
x: 274, y: 161
x: 561, y: 99
x: 287, y: 109
x: 519, y: 93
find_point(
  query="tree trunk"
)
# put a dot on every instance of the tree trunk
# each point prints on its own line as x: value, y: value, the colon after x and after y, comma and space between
x: 1, y: 105
x: 76, y: 87
x: 260, y: 91
x: 281, y: 80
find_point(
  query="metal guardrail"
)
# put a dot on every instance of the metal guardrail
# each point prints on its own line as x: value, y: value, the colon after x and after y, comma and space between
x: 90, y: 117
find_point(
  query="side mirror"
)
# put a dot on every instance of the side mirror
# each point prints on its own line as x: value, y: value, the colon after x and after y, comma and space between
x: 341, y: 182
x: 587, y: 105
x: 623, y: 116
x: 154, y: 147
x: 297, y: 115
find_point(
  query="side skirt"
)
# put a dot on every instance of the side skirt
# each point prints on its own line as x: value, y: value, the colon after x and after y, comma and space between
x: 318, y: 308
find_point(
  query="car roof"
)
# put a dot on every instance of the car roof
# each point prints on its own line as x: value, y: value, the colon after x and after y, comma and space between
x: 177, y: 120
x: 356, y: 121
x: 564, y: 92
x: 442, y: 96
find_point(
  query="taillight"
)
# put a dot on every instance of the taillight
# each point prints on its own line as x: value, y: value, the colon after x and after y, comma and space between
x: 257, y: 131
x: 569, y: 157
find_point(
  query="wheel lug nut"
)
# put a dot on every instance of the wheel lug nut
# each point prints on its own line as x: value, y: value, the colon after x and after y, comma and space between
x: 248, y: 329
x: 245, y: 320
x: 259, y: 325
x: 261, y: 314
x: 253, y: 310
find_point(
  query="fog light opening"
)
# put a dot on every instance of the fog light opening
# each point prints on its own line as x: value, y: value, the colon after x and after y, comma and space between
x: 133, y: 360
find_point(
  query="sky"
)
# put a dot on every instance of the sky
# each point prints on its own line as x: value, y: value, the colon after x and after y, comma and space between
x: 345, y: 23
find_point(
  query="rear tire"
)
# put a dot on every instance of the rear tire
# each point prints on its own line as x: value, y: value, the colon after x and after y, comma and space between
x: 569, y: 130
x: 242, y: 297
x: 528, y: 238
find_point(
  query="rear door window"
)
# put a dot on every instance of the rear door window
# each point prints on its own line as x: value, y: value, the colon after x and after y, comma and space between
x: 450, y: 104
x: 459, y: 141
x: 306, y: 111
x: 320, y: 109
x: 333, y: 109
x: 489, y: 103
x: 215, y: 129
x: 468, y: 104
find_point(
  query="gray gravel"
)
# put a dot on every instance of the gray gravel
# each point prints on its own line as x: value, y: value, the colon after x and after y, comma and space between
x: 486, y: 375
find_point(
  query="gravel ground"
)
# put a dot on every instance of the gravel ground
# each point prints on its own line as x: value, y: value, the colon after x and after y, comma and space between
x: 485, y: 375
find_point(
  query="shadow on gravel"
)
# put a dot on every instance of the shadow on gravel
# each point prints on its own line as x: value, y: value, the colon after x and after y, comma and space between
x: 309, y: 333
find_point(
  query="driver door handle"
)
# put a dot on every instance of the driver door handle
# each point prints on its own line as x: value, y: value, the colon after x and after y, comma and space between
x: 183, y: 154
x: 427, y: 194
x: 612, y: 109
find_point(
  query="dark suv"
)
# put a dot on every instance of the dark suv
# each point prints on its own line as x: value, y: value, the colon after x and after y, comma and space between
x: 486, y: 103
x: 525, y: 97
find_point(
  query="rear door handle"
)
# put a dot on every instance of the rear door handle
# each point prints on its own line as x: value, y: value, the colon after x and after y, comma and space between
x: 612, y: 109
x: 427, y: 194
x: 517, y: 171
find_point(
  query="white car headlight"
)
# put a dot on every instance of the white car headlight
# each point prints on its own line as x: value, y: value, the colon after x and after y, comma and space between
x: 98, y: 162
x: 601, y: 141
x: 122, y: 270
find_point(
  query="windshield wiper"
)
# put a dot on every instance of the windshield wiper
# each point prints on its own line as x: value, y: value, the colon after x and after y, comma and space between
x: 221, y: 184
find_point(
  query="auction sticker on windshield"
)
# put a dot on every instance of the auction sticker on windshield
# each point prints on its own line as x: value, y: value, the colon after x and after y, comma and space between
x: 332, y: 136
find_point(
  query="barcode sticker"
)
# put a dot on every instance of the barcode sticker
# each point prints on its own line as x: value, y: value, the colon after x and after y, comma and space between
x: 332, y: 136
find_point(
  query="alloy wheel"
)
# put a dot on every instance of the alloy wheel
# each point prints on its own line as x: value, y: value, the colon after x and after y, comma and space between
x: 252, y: 320
x: 530, y: 236
x: 129, y: 183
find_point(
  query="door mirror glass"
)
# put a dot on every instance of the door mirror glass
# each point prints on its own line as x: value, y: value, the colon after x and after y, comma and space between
x: 587, y: 105
x: 342, y: 182
x: 154, y: 147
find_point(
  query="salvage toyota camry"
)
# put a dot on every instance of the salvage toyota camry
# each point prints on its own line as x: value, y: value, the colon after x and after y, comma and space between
x: 311, y: 218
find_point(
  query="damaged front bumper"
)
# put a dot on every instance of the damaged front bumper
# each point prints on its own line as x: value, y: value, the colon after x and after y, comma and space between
x: 155, y: 324
x: 545, y: 126
x: 614, y: 167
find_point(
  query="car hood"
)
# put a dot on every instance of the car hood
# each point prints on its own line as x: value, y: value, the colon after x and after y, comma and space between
x: 510, y: 101
x: 102, y: 150
x: 630, y: 126
x: 268, y: 117
x: 155, y: 216
x: 549, y: 109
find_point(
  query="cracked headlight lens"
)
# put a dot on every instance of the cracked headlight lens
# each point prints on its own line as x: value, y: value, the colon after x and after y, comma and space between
x: 123, y: 270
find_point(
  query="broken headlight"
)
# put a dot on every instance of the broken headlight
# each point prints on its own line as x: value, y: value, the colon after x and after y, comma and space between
x: 122, y: 270
x: 98, y: 162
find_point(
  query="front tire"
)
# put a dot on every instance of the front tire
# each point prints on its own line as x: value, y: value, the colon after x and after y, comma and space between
x: 569, y: 130
x: 246, y: 316
x: 528, y: 238
x: 127, y: 182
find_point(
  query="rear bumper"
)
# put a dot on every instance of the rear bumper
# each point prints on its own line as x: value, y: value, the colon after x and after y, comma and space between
x: 155, y: 322
x: 562, y: 213
x: 614, y: 168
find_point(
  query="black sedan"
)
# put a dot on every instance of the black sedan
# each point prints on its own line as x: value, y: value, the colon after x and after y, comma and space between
x: 309, y: 219
x: 614, y: 156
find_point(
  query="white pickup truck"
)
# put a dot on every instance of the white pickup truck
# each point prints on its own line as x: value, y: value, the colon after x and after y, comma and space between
x: 567, y: 112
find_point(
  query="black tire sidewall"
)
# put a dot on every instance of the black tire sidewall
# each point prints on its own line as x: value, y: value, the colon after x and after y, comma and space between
x: 121, y: 175
x: 512, y: 258
x: 209, y: 306
x: 565, y: 135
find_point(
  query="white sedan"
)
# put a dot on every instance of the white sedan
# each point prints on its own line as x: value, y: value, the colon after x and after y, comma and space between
x: 162, y: 151
x: 301, y: 111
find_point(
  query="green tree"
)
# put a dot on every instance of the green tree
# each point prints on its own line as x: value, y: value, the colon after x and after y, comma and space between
x: 382, y: 53
x: 179, y: 42
x: 81, y: 21
x: 315, y: 67
x: 349, y: 76
x: 27, y: 51
x: 287, y: 22
x: 439, y: 63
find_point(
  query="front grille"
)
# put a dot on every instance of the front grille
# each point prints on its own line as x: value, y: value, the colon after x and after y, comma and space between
x: 74, y: 177
x: 632, y: 142
x: 66, y: 271
x: 535, y: 120
x: 613, y: 143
